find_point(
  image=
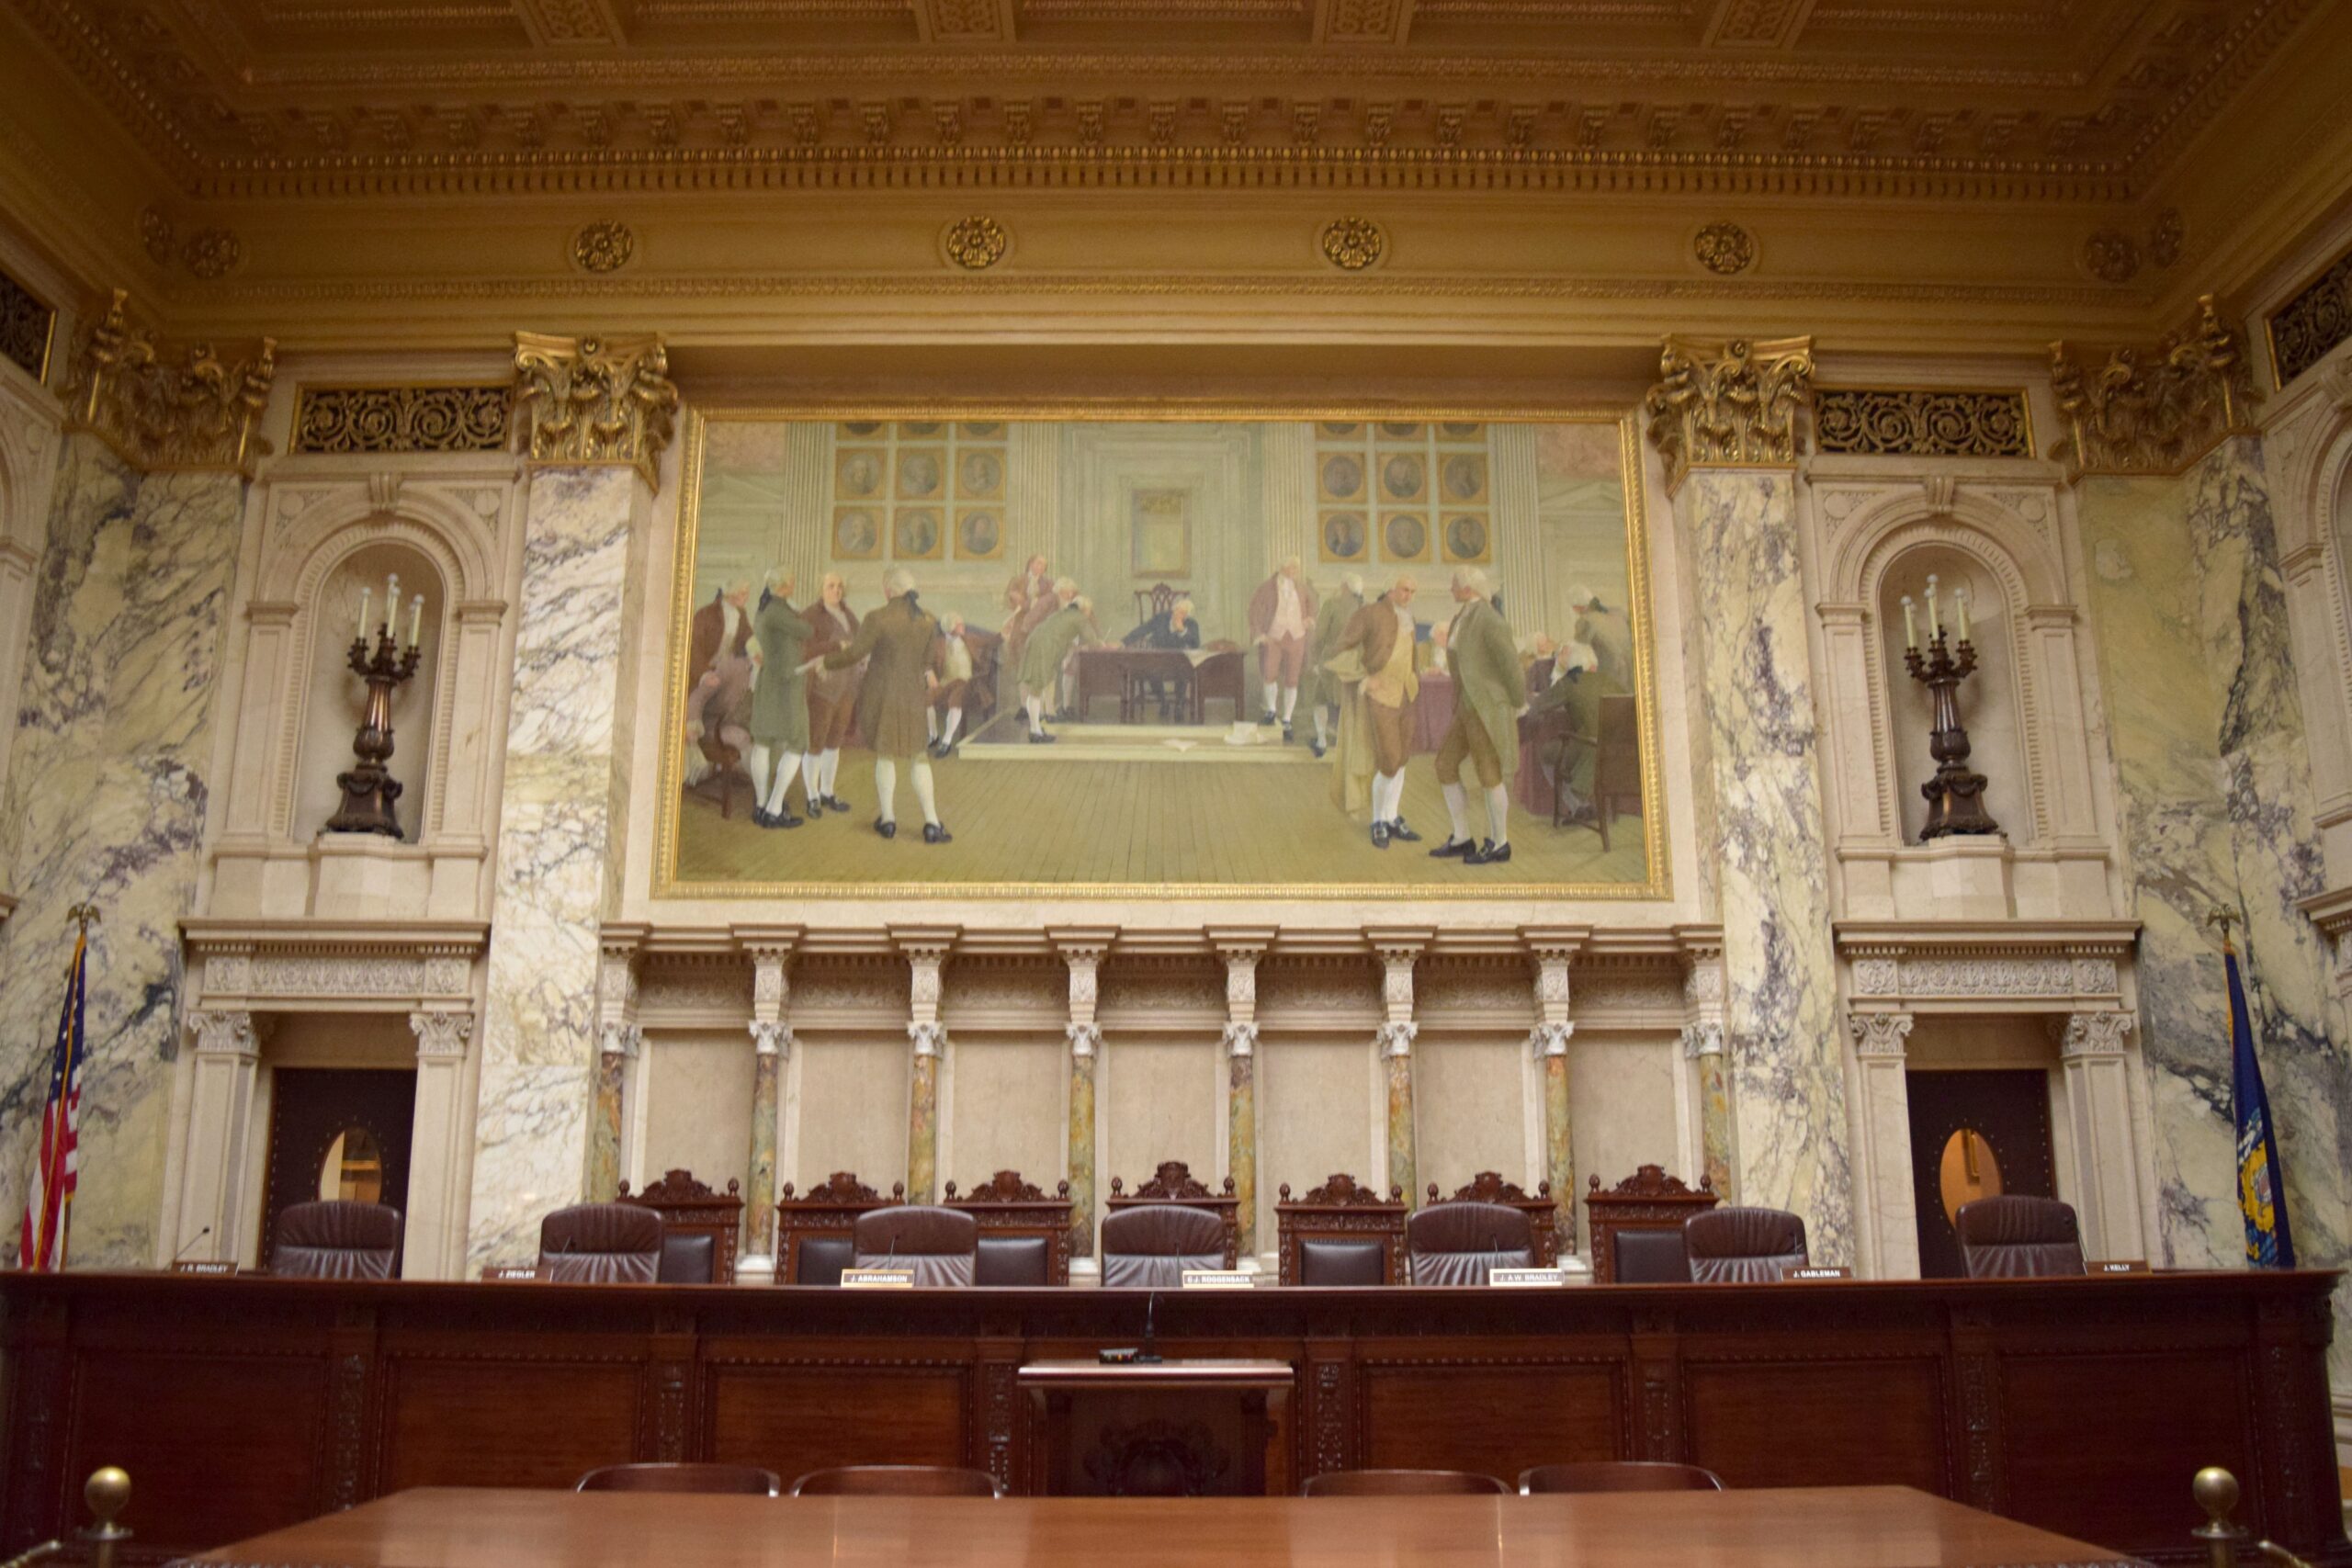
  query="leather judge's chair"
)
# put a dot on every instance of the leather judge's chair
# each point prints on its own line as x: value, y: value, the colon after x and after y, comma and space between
x: 601, y: 1244
x: 896, y: 1481
x: 1742, y: 1245
x: 1152, y: 1244
x: 337, y: 1240
x: 1461, y: 1244
x: 746, y: 1480
x: 1402, y: 1484
x: 688, y: 1257
x: 1618, y: 1475
x: 938, y: 1247
x: 2017, y: 1237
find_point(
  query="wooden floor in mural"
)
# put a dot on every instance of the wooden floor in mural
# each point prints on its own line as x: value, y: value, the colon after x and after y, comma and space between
x: 1045, y: 816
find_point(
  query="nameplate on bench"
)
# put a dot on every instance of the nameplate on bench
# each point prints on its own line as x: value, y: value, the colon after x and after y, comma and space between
x: 1526, y: 1279
x: 204, y: 1268
x: 2120, y: 1266
x: 1218, y: 1279
x: 878, y: 1279
x: 1817, y: 1271
x: 509, y: 1272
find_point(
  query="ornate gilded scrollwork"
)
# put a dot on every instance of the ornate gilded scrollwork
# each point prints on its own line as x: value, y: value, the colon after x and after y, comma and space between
x: 2154, y: 411
x: 1728, y: 404
x: 160, y: 408
x: 590, y: 401
x: 2111, y: 256
x: 400, y: 419
x: 1921, y: 423
x: 2307, y: 327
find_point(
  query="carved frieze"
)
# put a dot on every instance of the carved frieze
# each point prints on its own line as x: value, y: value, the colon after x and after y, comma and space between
x: 1961, y: 975
x: 1730, y: 403
x: 1913, y: 422
x: 723, y: 988
x: 26, y: 327
x: 594, y: 400
x: 164, y: 407
x: 2153, y: 410
x: 400, y: 419
x: 2308, y: 327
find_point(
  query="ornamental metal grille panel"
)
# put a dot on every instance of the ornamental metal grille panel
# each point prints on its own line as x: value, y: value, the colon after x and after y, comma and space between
x: 26, y: 328
x: 400, y: 419
x: 1887, y: 424
x: 2303, y: 330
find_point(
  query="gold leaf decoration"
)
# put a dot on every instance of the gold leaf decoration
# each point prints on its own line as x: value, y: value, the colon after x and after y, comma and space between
x: 976, y: 243
x: 603, y: 247
x: 1725, y: 248
x: 400, y: 419
x: 1912, y: 422
x: 594, y: 400
x: 1352, y: 244
x: 2153, y: 410
x: 163, y: 408
x: 1728, y: 404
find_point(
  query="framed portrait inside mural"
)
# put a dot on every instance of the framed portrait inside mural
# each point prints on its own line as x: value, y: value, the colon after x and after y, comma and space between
x: 1223, y: 735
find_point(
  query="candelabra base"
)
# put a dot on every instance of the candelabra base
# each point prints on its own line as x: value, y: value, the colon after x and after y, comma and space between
x: 1956, y: 805
x: 369, y: 793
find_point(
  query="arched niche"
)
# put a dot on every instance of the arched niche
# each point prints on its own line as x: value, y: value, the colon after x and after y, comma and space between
x: 333, y: 697
x: 1990, y: 708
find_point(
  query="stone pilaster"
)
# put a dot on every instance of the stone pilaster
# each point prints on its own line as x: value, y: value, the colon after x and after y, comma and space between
x: 1241, y: 950
x: 1398, y: 950
x: 1551, y: 953
x: 1724, y: 420
x: 434, y: 1246
x: 926, y: 953
x: 1703, y: 1081
x: 771, y: 1031
x: 2092, y: 1054
x: 212, y: 1166
x: 595, y: 427
x: 1082, y: 952
x: 1890, y: 1219
x: 619, y: 1041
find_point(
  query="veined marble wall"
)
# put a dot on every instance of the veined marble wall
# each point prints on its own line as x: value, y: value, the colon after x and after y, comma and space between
x: 2201, y: 687
x: 105, y: 802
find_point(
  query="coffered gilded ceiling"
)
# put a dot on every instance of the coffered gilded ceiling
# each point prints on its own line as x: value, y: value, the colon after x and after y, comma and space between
x: 2072, y: 99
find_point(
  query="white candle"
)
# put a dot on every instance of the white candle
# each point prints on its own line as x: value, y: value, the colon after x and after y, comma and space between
x: 1910, y: 624
x: 1959, y: 609
x: 1935, y: 620
x: 364, y: 594
x: 416, y: 619
x: 392, y: 602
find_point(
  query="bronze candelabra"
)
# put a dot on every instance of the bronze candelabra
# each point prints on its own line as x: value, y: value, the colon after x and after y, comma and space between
x: 1956, y: 794
x: 368, y: 789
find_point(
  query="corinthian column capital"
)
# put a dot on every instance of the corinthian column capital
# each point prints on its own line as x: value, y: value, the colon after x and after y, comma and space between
x: 594, y: 400
x: 1728, y: 404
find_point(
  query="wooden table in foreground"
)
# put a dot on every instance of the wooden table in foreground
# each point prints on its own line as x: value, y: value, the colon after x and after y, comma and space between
x: 2081, y: 1406
x: 1836, y: 1527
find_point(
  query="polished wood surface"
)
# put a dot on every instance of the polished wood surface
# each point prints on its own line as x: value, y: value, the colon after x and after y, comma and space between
x: 1199, y: 1426
x: 1883, y: 1527
x: 2079, y: 1406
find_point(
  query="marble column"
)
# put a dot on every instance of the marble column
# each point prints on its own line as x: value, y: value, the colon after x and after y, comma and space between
x: 110, y: 771
x: 220, y: 1127
x: 1890, y: 1228
x: 926, y: 953
x: 619, y: 1043
x: 1241, y: 950
x: 597, y: 413
x: 1702, y: 1093
x: 2093, y: 1056
x: 1549, y: 1041
x: 771, y: 1041
x: 432, y: 1247
x: 1082, y: 953
x: 1394, y: 1043
x: 1723, y: 422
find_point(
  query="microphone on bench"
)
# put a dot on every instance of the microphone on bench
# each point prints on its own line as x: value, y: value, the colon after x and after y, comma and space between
x: 1150, y: 1310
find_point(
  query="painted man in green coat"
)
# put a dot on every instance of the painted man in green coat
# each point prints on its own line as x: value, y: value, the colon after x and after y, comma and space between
x: 895, y: 640
x: 1323, y: 692
x: 1049, y: 644
x: 779, y: 701
x: 1577, y: 682
x: 1489, y: 693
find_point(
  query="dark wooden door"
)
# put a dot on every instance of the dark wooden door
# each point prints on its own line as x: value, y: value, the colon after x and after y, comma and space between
x: 311, y: 1109
x: 1975, y: 1133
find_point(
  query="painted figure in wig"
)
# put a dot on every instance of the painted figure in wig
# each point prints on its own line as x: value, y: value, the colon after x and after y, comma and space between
x: 1051, y: 642
x: 1489, y: 693
x: 896, y: 641
x: 1282, y: 614
x: 779, y: 700
x: 951, y: 667
x: 1375, y: 657
x: 1321, y: 690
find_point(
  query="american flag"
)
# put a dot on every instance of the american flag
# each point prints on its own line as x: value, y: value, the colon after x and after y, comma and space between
x: 49, y: 1201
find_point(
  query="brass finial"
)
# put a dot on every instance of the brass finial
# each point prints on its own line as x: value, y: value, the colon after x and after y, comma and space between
x: 2220, y: 917
x: 109, y: 1493
x: 84, y: 915
x: 2216, y: 1492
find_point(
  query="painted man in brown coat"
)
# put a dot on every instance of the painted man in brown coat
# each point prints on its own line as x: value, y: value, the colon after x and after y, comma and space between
x: 1381, y: 637
x: 1282, y: 621
x: 894, y: 641
x: 832, y: 625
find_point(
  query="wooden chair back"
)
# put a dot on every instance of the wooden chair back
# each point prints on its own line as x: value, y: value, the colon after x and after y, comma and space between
x: 813, y: 1233
x: 1017, y: 1220
x: 1648, y: 1201
x: 740, y: 1479
x: 897, y: 1481
x: 1618, y: 1475
x: 1340, y: 1216
x: 1543, y: 1211
x: 689, y: 1207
